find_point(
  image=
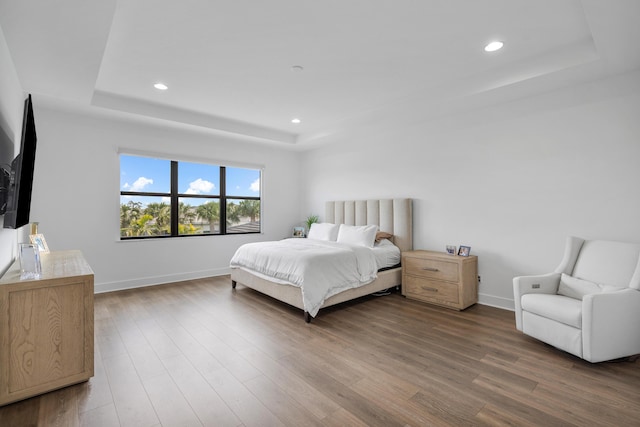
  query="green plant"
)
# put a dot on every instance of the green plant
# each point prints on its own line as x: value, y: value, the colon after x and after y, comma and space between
x: 311, y: 219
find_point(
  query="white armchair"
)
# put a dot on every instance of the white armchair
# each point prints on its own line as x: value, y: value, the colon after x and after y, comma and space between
x: 590, y: 305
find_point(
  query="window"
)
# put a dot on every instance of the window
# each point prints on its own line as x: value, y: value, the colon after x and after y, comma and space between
x: 168, y: 198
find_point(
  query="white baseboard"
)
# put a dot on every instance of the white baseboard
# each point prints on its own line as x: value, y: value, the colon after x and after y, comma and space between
x: 498, y: 302
x: 158, y: 280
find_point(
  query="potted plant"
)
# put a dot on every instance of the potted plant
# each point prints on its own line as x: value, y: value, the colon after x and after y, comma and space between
x: 311, y: 219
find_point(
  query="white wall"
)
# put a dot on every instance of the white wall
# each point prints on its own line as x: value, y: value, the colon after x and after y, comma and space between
x: 76, y: 193
x: 11, y: 107
x: 511, y: 181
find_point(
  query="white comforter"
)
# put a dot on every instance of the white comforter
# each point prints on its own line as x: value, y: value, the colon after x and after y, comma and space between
x: 320, y: 268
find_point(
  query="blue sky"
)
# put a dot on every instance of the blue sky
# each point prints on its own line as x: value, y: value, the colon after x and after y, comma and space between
x: 153, y: 175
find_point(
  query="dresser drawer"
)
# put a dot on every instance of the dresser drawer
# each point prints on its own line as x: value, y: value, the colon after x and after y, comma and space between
x: 429, y: 290
x: 431, y: 268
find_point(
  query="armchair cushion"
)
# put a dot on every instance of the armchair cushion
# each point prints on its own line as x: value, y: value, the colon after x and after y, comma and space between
x: 607, y: 263
x: 573, y: 287
x: 555, y: 307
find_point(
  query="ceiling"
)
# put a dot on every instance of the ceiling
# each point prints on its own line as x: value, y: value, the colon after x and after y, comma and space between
x: 228, y: 64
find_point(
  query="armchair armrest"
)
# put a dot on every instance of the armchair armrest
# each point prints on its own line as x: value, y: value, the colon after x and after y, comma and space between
x: 542, y: 284
x: 610, y: 322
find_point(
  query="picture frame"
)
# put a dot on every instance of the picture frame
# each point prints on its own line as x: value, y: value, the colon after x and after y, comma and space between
x: 464, y: 250
x: 40, y: 242
x: 298, y: 231
x: 451, y: 249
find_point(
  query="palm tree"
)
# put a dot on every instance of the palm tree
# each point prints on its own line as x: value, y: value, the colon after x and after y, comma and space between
x: 250, y: 208
x: 233, y: 213
x: 162, y: 214
x: 186, y: 213
x: 209, y: 211
x: 142, y: 226
x: 129, y: 213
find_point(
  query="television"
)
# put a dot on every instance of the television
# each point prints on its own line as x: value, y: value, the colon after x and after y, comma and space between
x: 18, y: 203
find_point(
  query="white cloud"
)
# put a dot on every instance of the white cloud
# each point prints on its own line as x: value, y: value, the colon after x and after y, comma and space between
x: 200, y: 186
x: 255, y: 185
x: 139, y: 184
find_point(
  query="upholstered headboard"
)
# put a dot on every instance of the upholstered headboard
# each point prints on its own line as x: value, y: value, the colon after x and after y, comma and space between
x: 391, y: 215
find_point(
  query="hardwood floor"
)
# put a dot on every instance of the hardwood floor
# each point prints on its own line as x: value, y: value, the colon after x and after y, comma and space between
x: 197, y: 353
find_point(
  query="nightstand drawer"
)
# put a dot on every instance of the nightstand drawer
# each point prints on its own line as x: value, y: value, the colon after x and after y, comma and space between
x: 431, y: 268
x: 430, y: 290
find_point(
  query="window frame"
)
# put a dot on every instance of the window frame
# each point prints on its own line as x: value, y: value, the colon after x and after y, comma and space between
x: 174, y: 198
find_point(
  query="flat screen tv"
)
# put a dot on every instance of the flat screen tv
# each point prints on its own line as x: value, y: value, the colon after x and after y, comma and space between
x: 21, y: 174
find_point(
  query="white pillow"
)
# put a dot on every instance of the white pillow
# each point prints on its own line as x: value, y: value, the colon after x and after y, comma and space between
x: 323, y: 231
x: 359, y: 235
x: 574, y: 287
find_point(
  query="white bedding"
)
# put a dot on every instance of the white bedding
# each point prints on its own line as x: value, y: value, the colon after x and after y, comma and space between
x: 320, y: 268
x: 387, y: 254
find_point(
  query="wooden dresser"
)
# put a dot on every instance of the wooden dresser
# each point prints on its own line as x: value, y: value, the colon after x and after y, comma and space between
x: 439, y: 278
x: 46, y: 327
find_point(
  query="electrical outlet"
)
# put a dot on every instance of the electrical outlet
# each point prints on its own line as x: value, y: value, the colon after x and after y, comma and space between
x: 479, y: 279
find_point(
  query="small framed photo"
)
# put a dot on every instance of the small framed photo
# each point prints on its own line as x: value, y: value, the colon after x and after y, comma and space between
x: 40, y: 242
x: 464, y: 250
x: 298, y: 231
x: 451, y: 249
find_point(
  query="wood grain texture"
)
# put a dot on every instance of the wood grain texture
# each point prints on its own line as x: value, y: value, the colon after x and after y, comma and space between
x: 199, y: 353
x: 46, y: 327
x: 440, y: 278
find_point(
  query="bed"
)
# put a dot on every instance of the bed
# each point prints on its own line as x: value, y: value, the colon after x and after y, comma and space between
x: 393, y: 216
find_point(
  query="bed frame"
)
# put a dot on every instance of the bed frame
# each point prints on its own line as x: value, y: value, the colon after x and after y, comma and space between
x: 391, y: 215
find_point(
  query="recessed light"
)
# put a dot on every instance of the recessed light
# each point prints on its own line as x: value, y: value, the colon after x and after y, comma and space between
x: 295, y: 121
x: 493, y: 46
x: 161, y: 86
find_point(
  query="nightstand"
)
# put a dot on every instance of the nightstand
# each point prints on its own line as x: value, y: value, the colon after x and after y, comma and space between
x: 439, y: 278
